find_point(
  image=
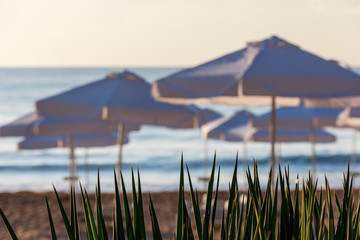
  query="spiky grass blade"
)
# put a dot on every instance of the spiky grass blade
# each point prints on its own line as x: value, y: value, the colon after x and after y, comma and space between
x: 74, y: 214
x: 196, y: 207
x: 102, y: 234
x: 88, y: 215
x: 118, y: 227
x: 68, y: 228
x: 296, y: 227
x: 8, y: 226
x: 141, y: 211
x: 180, y: 214
x: 135, y: 208
x: 273, y: 216
x: 322, y: 233
x: 52, y: 228
x: 222, y: 230
x: 331, y: 227
x: 154, y: 222
x: 215, y: 206
x: 232, y: 194
x: 129, y: 225
x: 208, y: 203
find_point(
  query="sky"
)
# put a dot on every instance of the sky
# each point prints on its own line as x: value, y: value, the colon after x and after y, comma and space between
x: 99, y: 33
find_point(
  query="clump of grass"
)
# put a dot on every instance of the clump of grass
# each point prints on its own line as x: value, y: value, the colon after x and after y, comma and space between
x: 277, y: 213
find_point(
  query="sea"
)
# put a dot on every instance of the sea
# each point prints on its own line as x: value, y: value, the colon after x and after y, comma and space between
x: 153, y: 152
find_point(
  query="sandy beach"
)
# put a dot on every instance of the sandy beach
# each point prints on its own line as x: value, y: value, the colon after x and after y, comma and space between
x: 26, y: 211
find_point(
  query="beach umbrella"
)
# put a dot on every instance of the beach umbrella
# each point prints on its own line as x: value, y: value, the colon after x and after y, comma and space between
x: 269, y: 72
x: 239, y: 128
x: 295, y: 136
x: 301, y: 118
x: 207, y: 115
x: 220, y: 128
x: 124, y: 97
x: 234, y: 128
x: 120, y: 97
x: 30, y: 125
x: 77, y: 141
x: 350, y: 118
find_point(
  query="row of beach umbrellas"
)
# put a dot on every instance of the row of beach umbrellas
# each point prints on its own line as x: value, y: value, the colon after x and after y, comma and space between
x: 272, y: 72
x: 119, y: 103
x: 236, y: 128
x: 244, y: 127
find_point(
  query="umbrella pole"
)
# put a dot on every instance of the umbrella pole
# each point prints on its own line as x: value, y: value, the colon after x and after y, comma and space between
x: 245, y: 161
x: 72, y: 167
x: 278, y: 153
x: 121, y: 128
x: 313, y: 150
x: 206, y: 157
x: 273, y: 136
x: 353, y: 155
x: 86, y: 167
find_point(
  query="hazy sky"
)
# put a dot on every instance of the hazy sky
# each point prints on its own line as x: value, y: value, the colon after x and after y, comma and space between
x: 169, y: 32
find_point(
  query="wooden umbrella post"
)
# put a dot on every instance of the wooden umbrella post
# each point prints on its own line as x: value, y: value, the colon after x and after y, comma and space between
x: 313, y: 150
x: 86, y: 167
x: 273, y: 136
x: 278, y: 147
x: 353, y: 155
x: 121, y: 130
x: 245, y: 161
x: 72, y: 166
x: 206, y: 157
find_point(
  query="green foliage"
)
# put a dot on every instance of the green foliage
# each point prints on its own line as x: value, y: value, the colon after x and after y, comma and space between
x: 274, y: 212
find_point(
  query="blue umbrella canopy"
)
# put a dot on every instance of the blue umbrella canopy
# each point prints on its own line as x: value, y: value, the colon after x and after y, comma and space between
x: 30, y: 125
x: 349, y: 117
x: 78, y: 141
x: 122, y: 97
x: 229, y: 128
x: 268, y: 72
x: 299, y: 118
x: 271, y: 67
x: 293, y: 135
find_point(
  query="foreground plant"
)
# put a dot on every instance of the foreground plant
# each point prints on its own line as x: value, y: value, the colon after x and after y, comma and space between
x: 254, y: 214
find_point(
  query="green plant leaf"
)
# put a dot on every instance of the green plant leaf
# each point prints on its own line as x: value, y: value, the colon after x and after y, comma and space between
x: 88, y: 214
x: 196, y: 208
x: 52, y: 228
x: 208, y: 202
x: 8, y: 226
x: 215, y: 206
x: 102, y: 234
x: 154, y: 221
x: 68, y: 228
x: 129, y: 226
x: 74, y: 214
x: 141, y: 211
x: 118, y: 227
x: 180, y: 212
x: 135, y: 208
